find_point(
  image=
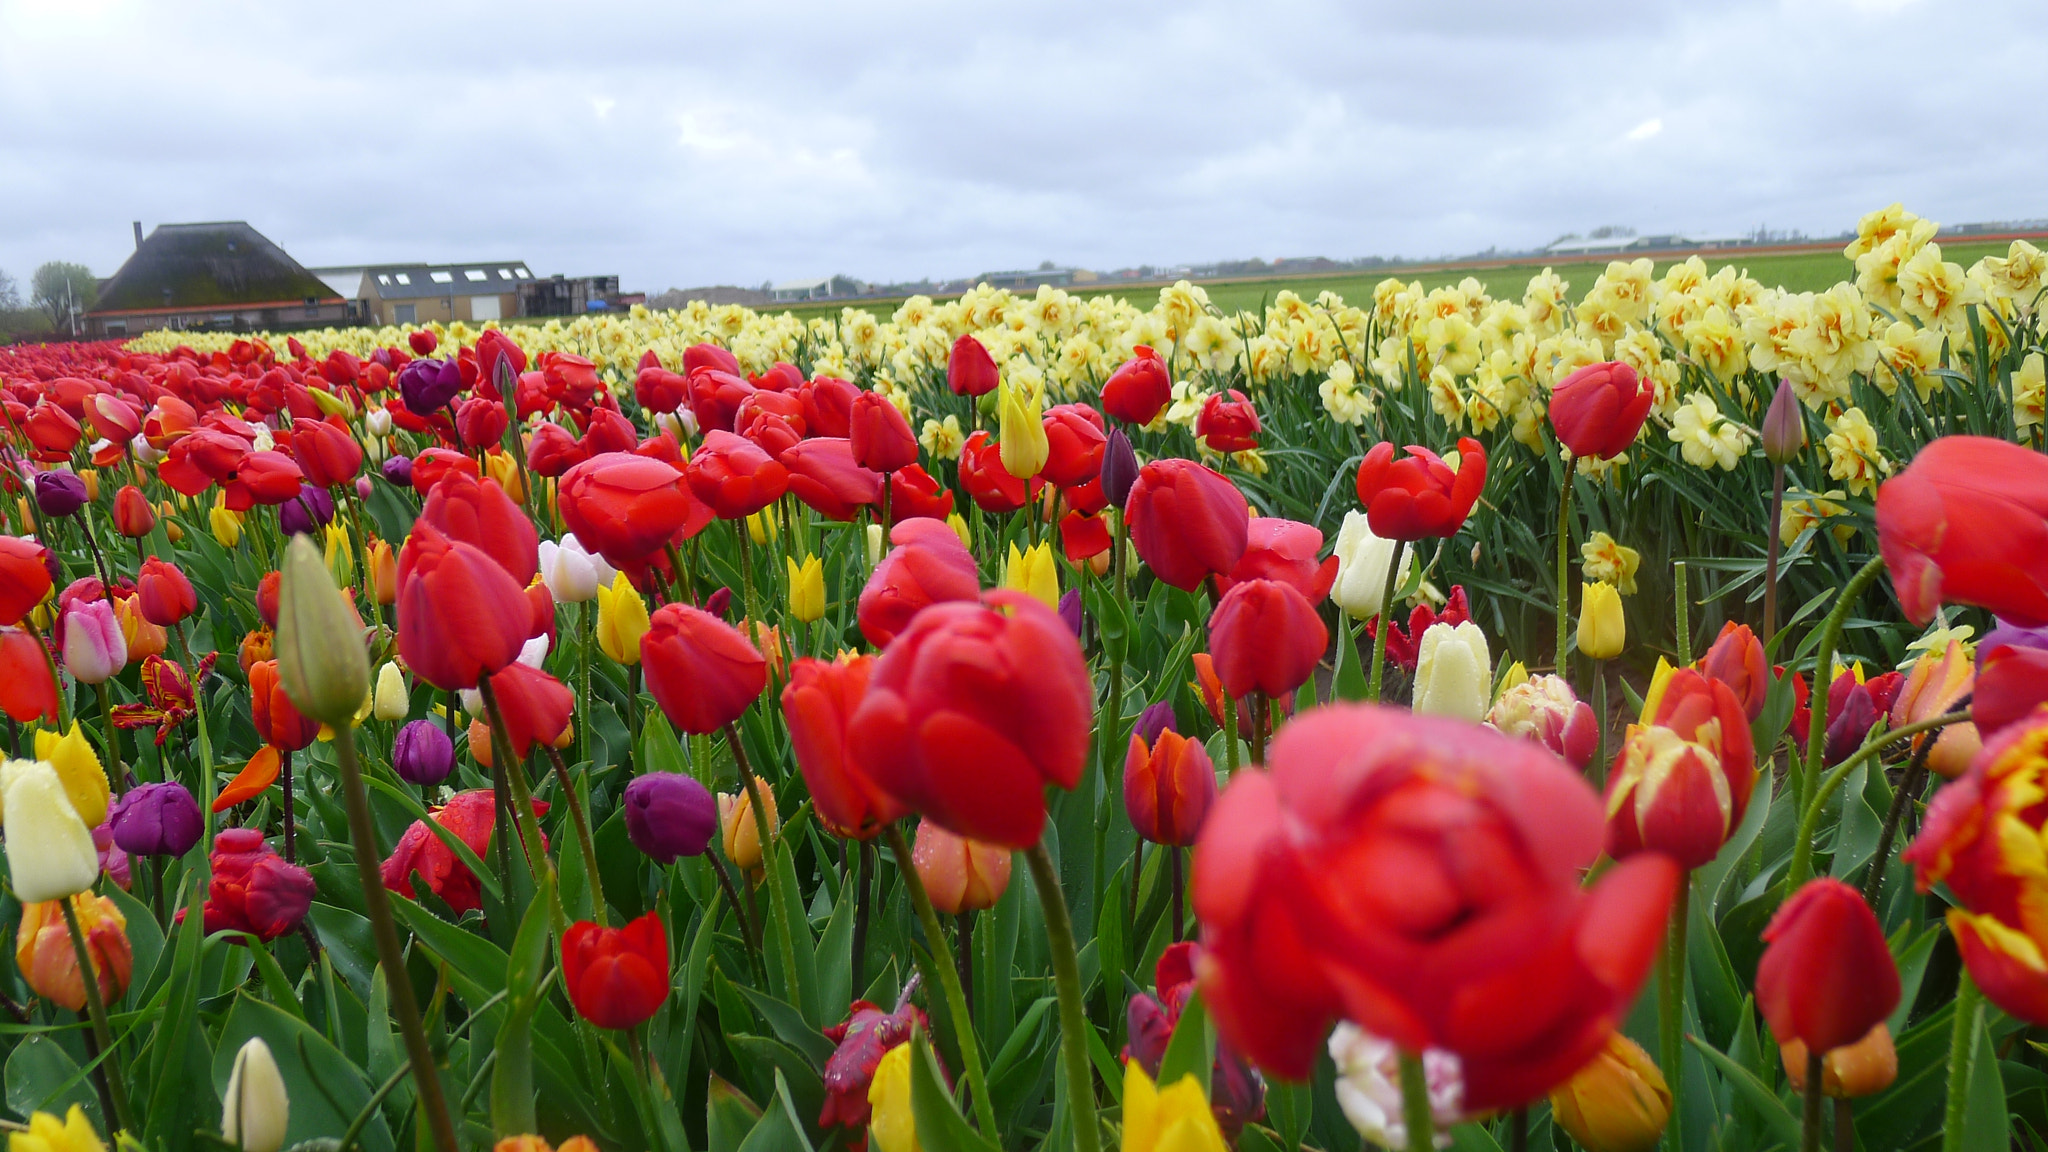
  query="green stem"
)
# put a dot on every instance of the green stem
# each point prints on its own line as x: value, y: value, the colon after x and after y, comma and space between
x: 585, y: 845
x: 1771, y: 554
x: 1824, y: 671
x: 1962, y: 1046
x: 1671, y: 997
x: 1683, y: 607
x: 1386, y: 625
x: 389, y: 954
x: 1564, y: 542
x: 1809, y: 823
x: 115, y: 771
x: 1229, y: 731
x: 1809, y: 1129
x: 96, y: 1010
x: 1415, y: 1104
x: 1066, y: 974
x: 778, y: 919
x: 949, y: 980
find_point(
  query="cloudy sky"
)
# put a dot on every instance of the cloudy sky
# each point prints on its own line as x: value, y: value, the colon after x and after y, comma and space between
x: 693, y: 144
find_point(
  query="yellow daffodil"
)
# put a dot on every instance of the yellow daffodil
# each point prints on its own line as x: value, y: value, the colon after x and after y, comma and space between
x: 46, y: 1133
x: 1604, y: 559
x: 621, y: 620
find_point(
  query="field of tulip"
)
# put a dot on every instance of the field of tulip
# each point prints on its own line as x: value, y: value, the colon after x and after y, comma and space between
x: 1041, y: 723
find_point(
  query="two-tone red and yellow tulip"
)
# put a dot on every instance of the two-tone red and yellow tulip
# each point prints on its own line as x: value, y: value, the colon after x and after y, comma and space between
x: 1827, y: 976
x: 1932, y: 686
x: 44, y: 955
x: 1967, y: 523
x: 1682, y: 781
x: 1737, y: 660
x: 1419, y: 496
x: 958, y: 874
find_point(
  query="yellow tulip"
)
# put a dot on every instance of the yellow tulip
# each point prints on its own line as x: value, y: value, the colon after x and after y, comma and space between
x: 50, y: 853
x: 1022, y: 433
x: 1177, y: 1119
x: 621, y: 620
x: 1035, y: 573
x: 1603, y: 633
x: 959, y: 527
x: 392, y: 701
x: 78, y: 767
x: 1660, y: 678
x: 505, y: 470
x: 91, y: 476
x: 1516, y: 676
x: 227, y: 525
x: 806, y: 588
x: 1617, y: 1103
x: 341, y: 555
x: 761, y: 526
x: 891, y: 1125
x: 738, y: 835
x: 46, y: 1133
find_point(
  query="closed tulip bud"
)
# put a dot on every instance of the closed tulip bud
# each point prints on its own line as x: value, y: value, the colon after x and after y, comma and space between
x: 59, y: 493
x: 1864, y: 1068
x: 1035, y: 574
x: 50, y: 853
x: 881, y: 436
x: 1119, y: 468
x: 1168, y: 787
x: 1603, y: 631
x: 1155, y: 719
x: 392, y: 700
x: 1544, y: 710
x: 1265, y: 637
x: 1453, y: 672
x: 163, y: 594
x: 94, y: 646
x: 670, y: 815
x: 44, y: 953
x: 1737, y: 660
x: 1826, y: 977
x: 159, y: 819
x: 133, y: 517
x: 256, y: 1109
x: 1618, y: 1103
x: 320, y: 655
x: 569, y: 573
x: 892, y: 1123
x: 1021, y: 433
x: 1188, y: 522
x: 1598, y: 410
x: 78, y: 769
x: 806, y: 588
x: 960, y: 875
x: 25, y: 577
x: 383, y: 566
x: 621, y: 620
x: 1784, y: 428
x: 616, y: 977
x: 970, y: 370
x: 737, y: 833
x: 226, y: 526
x: 702, y: 671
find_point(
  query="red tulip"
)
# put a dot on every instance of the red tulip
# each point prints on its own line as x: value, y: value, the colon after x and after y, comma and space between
x: 268, y: 590
x: 535, y: 705
x: 1228, y: 424
x: 461, y: 615
x: 701, y: 670
x: 2012, y: 684
x: 1827, y: 976
x: 822, y: 474
x: 715, y: 396
x: 772, y: 420
x: 163, y: 593
x: 828, y: 405
x: 733, y: 476
x: 1681, y: 782
x: 1737, y: 660
x: 479, y: 512
x: 865, y: 1037
x: 133, y: 517
x: 1187, y: 522
x: 1598, y: 410
x: 552, y: 450
x: 1083, y: 537
x: 659, y: 390
x: 970, y: 370
x: 434, y: 465
x: 469, y: 816
x: 265, y: 478
x: 1139, y: 391
x: 616, y: 977
x: 781, y: 376
x: 609, y: 431
x: 271, y: 711
x: 1283, y: 550
x: 817, y: 703
x: 928, y: 565
x: 1075, y: 443
x: 52, y: 431
x: 115, y: 419
x: 24, y: 577
x: 1967, y: 523
x: 627, y: 507
x: 882, y: 439
x: 1419, y: 496
x: 422, y: 342
x: 492, y: 347
x: 1265, y: 637
x: 915, y: 493
x: 28, y: 691
x: 202, y: 457
x: 1168, y: 788
x: 570, y: 378
x: 971, y: 713
x: 253, y: 889
x: 481, y: 422
x: 1422, y: 877
x: 988, y: 483
x: 326, y: 453
x: 709, y: 356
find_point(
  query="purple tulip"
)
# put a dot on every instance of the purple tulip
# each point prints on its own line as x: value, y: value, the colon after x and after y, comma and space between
x: 1156, y: 718
x: 669, y: 815
x: 314, y: 508
x: 423, y: 754
x: 1070, y: 610
x: 2009, y: 636
x: 1119, y: 468
x: 59, y: 493
x: 427, y: 384
x: 156, y: 820
x: 398, y: 470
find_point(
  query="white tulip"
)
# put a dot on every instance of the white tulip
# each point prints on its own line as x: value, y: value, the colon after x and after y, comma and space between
x: 598, y: 564
x: 50, y: 853
x: 1362, y: 559
x: 377, y: 422
x: 1453, y: 672
x: 568, y: 572
x: 1369, y: 1086
x: 257, y: 1110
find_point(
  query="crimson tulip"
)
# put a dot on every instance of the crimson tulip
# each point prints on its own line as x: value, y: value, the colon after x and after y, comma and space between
x: 1075, y: 443
x: 772, y: 420
x: 733, y: 476
x: 1598, y: 410
x: 627, y: 507
x: 422, y: 342
x: 709, y: 356
x: 1228, y: 423
x: 970, y: 370
x: 616, y: 977
x: 828, y: 405
x: 2012, y: 684
x: 701, y: 670
x: 481, y: 422
x: 915, y: 493
x: 1139, y: 390
x: 1168, y: 787
x: 326, y: 453
x: 609, y: 431
x: 862, y: 1040
x: 881, y: 437
x: 928, y: 565
x: 52, y: 431
x: 461, y: 615
x: 254, y: 889
x: 553, y: 450
x: 202, y: 457
x: 988, y: 483
x: 268, y: 477
x: 469, y: 817
x: 824, y: 475
x: 494, y: 347
x: 24, y: 577
x: 971, y: 712
x: 817, y: 703
x: 1967, y: 523
x: 133, y: 517
x: 536, y: 707
x: 163, y: 593
x: 1187, y: 522
x: 1419, y: 496
x: 1265, y: 637
x: 1421, y: 877
x: 434, y: 465
x: 1827, y: 976
x: 715, y: 396
x: 28, y: 688
x: 1283, y: 550
x: 1682, y: 782
x: 659, y: 390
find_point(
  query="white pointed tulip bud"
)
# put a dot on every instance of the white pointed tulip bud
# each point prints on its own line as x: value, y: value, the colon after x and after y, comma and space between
x: 256, y: 1111
x: 1453, y: 672
x: 1362, y: 560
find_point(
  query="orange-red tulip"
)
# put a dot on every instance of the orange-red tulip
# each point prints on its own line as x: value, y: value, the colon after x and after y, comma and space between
x: 616, y: 977
x: 1826, y: 977
x: 1168, y: 787
x: 700, y: 670
x: 1967, y: 523
x: 817, y: 703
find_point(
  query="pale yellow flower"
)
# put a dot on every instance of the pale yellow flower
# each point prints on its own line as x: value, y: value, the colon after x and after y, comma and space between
x: 2029, y: 391
x: 1606, y: 560
x: 1807, y: 512
x: 1853, y: 453
x: 942, y: 439
x: 1936, y: 292
x: 1704, y: 438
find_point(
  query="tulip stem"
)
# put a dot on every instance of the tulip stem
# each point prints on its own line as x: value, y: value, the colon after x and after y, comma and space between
x: 1809, y: 1131
x: 1824, y: 674
x: 96, y: 1009
x: 1962, y: 1047
x: 1386, y: 625
x: 1518, y: 1129
x: 949, y: 980
x: 1066, y: 973
x: 115, y: 771
x: 739, y: 914
x: 585, y: 845
x: 284, y: 771
x: 1564, y: 541
x: 778, y: 919
x: 1845, y: 1124
x: 1671, y: 998
x: 1262, y: 710
x: 1771, y: 554
x: 965, y: 923
x: 389, y: 955
x: 1415, y: 1110
x: 1908, y: 792
x: 1682, y: 609
x: 864, y: 881
x: 1174, y: 877
x: 1809, y: 823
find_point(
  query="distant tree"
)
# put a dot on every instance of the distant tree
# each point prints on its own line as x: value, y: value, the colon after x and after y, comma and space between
x: 10, y: 296
x: 58, y: 287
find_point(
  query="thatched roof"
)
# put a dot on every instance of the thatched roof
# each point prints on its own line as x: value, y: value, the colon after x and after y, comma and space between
x: 209, y: 266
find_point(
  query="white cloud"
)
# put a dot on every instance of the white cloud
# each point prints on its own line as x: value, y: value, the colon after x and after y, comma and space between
x: 1648, y: 128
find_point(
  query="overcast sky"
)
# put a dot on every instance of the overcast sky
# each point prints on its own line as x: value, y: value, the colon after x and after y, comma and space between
x: 693, y: 144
